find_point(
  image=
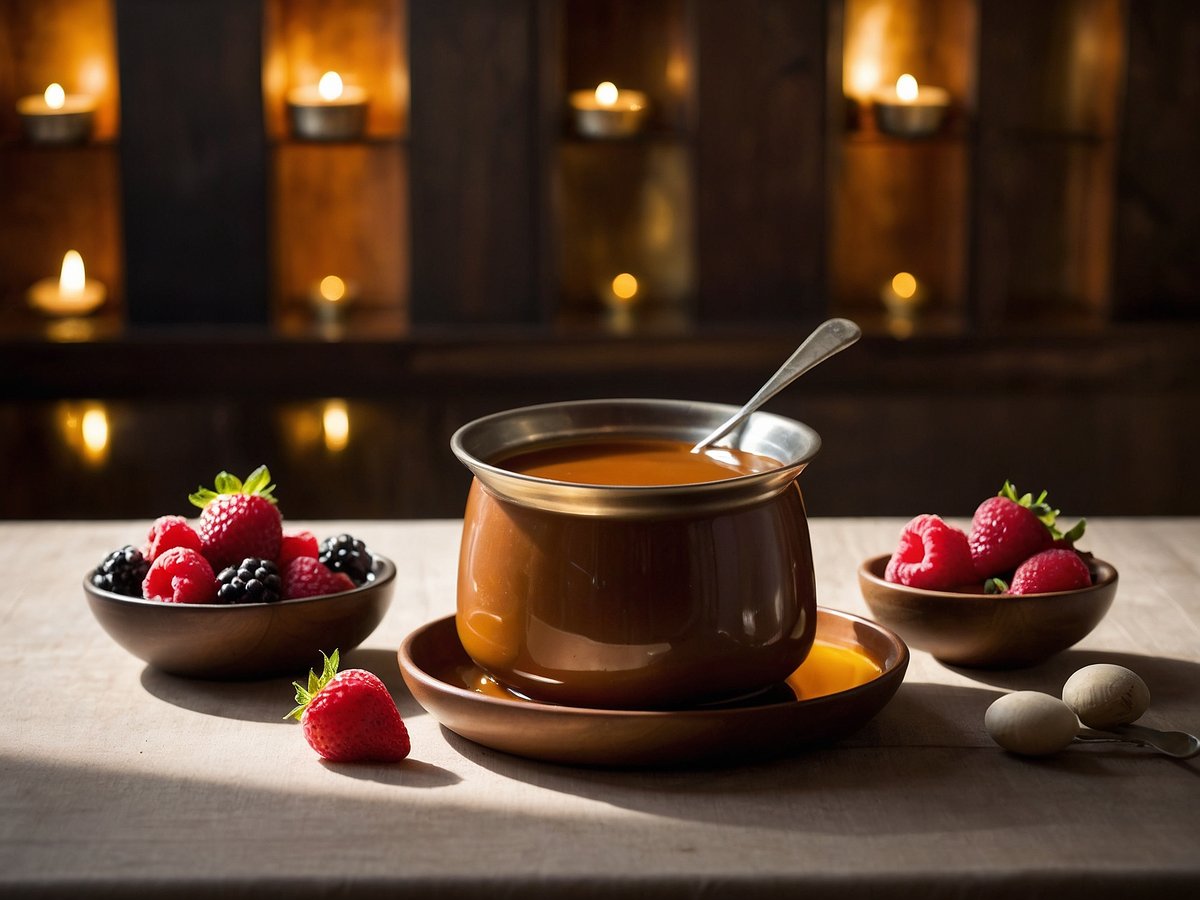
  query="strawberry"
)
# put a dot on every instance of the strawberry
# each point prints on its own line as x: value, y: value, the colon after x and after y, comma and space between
x: 1047, y: 572
x: 168, y: 532
x: 306, y: 577
x: 1006, y: 530
x: 239, y: 520
x: 180, y: 575
x: 350, y: 716
x: 302, y: 543
x: 931, y: 555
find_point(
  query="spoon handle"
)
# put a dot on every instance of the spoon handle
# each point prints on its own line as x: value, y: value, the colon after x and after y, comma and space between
x: 1178, y: 744
x: 830, y: 337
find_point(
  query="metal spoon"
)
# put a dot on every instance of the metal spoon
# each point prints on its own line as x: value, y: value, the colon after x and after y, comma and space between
x: 829, y: 338
x: 1178, y: 744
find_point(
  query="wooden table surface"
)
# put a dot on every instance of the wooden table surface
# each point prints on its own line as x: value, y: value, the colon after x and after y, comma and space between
x: 116, y: 779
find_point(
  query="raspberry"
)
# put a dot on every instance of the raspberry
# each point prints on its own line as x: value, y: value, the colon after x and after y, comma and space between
x: 346, y: 554
x: 931, y: 555
x: 180, y: 575
x: 305, y: 577
x: 122, y: 572
x: 168, y: 532
x: 302, y: 543
x: 1051, y: 571
x: 254, y: 581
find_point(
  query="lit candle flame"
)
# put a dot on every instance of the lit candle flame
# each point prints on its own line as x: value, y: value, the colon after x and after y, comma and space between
x: 55, y: 96
x: 332, y: 288
x: 907, y: 88
x: 330, y: 86
x: 335, y: 420
x: 625, y: 286
x: 606, y: 93
x: 72, y: 279
x: 905, y: 285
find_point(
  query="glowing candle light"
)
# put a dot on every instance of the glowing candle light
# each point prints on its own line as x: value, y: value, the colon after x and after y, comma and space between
x: 330, y: 110
x: 56, y: 117
x: 335, y: 421
x: 71, y: 294
x: 608, y: 112
x: 910, y: 109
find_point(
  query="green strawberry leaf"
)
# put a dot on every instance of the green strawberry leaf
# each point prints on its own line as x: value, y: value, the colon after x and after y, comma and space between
x: 995, y: 586
x: 1076, y: 532
x: 304, y: 696
x: 257, y: 483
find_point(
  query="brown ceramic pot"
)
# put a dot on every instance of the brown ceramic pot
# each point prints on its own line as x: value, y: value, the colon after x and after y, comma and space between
x: 634, y: 597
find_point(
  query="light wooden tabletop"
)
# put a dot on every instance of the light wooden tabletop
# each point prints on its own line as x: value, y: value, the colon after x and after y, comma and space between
x: 117, y: 779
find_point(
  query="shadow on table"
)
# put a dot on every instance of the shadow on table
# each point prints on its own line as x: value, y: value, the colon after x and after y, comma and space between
x: 269, y: 700
x: 1171, y: 681
x: 924, y: 764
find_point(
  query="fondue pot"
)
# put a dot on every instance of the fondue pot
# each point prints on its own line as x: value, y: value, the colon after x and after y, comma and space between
x: 634, y: 596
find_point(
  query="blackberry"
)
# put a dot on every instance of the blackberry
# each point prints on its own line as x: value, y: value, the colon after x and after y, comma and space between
x: 251, y: 581
x: 346, y: 554
x: 122, y: 572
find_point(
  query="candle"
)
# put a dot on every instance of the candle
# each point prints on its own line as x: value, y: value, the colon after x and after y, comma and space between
x: 620, y: 299
x: 330, y: 298
x: 71, y: 294
x: 607, y: 112
x: 902, y: 297
x: 328, y: 111
x: 56, y: 117
x: 910, y: 109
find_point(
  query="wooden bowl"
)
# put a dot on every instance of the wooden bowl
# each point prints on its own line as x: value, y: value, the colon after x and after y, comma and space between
x: 996, y: 631
x: 246, y: 640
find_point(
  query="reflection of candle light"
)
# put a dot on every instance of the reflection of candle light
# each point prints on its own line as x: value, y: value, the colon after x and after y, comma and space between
x: 335, y: 420
x: 85, y: 430
x: 94, y: 430
x: 72, y: 294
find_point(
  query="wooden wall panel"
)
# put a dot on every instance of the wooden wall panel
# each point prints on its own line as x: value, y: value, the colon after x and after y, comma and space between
x: 193, y: 161
x: 760, y: 161
x: 1158, y: 191
x: 474, y: 158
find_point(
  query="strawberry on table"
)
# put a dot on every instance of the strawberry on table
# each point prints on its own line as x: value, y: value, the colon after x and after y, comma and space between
x: 239, y: 520
x: 931, y: 555
x: 1050, y: 571
x: 350, y: 716
x: 1008, y: 529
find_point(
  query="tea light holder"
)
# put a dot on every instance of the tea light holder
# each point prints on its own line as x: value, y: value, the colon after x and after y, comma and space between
x: 56, y: 117
x: 328, y: 110
x: 71, y: 294
x: 331, y: 298
x: 910, y: 110
x: 607, y: 112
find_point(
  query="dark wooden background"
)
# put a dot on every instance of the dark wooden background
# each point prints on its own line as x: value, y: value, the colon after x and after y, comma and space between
x: 1054, y: 222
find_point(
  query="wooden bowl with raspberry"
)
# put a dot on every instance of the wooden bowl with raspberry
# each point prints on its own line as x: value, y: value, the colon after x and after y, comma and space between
x: 1010, y: 591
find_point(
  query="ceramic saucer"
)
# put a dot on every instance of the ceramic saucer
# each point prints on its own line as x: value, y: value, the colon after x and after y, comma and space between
x: 854, y: 669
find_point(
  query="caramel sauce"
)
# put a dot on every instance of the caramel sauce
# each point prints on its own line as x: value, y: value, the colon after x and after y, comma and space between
x: 828, y: 669
x: 636, y: 462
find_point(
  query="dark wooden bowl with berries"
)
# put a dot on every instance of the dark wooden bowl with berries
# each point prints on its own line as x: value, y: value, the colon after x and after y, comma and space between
x: 1011, y: 592
x: 234, y: 596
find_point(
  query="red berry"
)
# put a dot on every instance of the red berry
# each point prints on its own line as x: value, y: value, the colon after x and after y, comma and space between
x: 1050, y: 571
x: 293, y: 546
x: 306, y: 577
x: 1007, y: 530
x: 239, y: 520
x: 180, y: 575
x: 931, y: 555
x: 350, y: 716
x: 168, y: 532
